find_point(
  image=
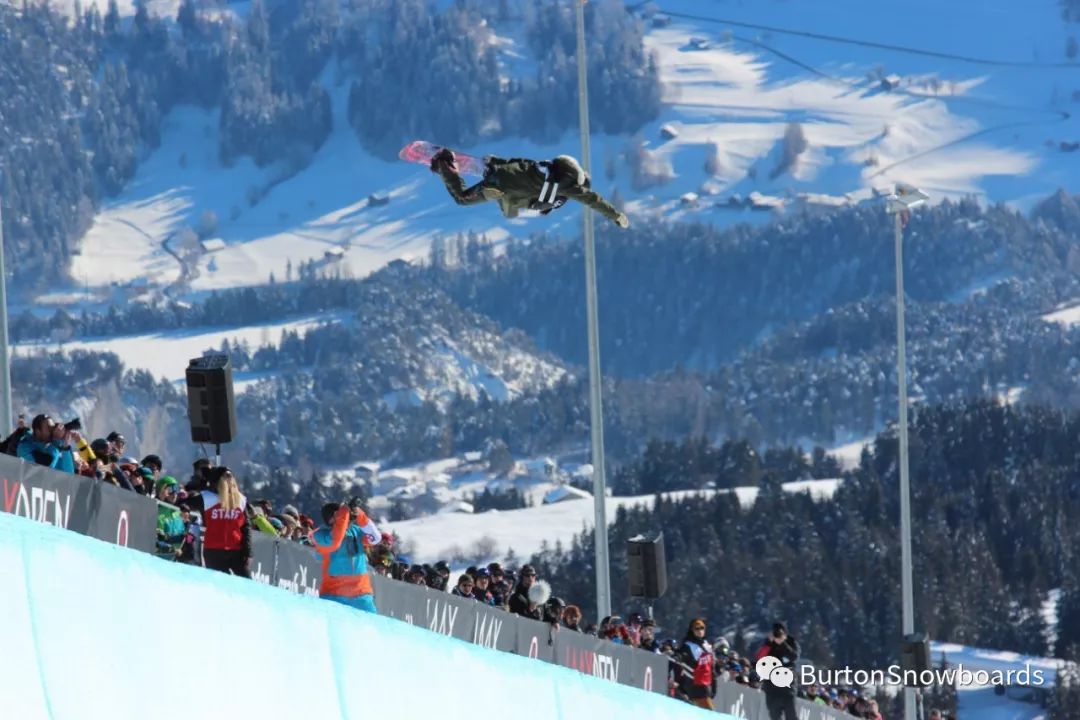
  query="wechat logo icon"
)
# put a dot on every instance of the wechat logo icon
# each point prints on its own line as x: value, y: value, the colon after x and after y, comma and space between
x: 771, y: 669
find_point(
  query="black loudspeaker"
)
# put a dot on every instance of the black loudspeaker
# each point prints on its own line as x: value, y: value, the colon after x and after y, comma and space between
x: 915, y: 656
x: 647, y: 566
x: 210, y: 399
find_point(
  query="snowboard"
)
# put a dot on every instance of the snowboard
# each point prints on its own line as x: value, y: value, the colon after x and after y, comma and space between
x: 421, y: 152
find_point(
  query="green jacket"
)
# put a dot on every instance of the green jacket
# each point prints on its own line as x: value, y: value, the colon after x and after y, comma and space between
x: 170, y: 531
x: 516, y: 185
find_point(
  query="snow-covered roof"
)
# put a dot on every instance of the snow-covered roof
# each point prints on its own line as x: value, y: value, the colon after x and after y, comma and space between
x: 407, y: 492
x: 562, y: 493
x: 584, y: 470
x: 669, y: 131
x: 458, y: 506
x: 401, y: 473
x: 438, y: 479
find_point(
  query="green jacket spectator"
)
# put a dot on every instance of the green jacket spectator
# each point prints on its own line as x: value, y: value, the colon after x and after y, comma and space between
x: 170, y: 522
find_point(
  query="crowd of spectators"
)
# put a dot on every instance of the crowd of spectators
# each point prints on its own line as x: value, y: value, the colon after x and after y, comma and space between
x: 522, y: 593
x: 696, y: 663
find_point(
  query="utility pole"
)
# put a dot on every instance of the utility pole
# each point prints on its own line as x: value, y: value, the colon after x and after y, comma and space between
x: 5, y: 351
x: 900, y: 205
x: 596, y: 411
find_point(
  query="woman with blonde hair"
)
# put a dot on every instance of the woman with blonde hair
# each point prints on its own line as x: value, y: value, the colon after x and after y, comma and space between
x: 227, y: 533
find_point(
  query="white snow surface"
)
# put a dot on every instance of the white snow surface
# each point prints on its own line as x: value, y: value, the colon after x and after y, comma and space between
x: 980, y: 703
x: 525, y: 530
x: 166, y: 354
x: 1067, y: 316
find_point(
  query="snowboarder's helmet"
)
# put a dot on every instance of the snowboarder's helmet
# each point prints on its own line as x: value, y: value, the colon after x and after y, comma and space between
x: 570, y: 170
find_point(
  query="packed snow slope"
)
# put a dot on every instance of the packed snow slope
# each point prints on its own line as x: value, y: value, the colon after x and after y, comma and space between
x: 72, y: 652
x: 992, y: 119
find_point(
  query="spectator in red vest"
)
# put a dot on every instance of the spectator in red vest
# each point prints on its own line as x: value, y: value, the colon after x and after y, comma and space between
x: 226, y: 537
x: 694, y: 658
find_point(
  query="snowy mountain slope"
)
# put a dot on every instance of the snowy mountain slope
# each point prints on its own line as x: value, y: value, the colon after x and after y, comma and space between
x: 1001, y: 117
x: 440, y: 365
x: 735, y: 99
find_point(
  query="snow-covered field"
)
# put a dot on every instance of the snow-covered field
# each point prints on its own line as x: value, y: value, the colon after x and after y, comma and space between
x: 166, y: 354
x: 980, y: 703
x: 1066, y: 316
x: 525, y: 530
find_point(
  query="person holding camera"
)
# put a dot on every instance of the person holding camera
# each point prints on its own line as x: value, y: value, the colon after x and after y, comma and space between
x: 50, y: 444
x: 340, y: 542
x: 780, y: 701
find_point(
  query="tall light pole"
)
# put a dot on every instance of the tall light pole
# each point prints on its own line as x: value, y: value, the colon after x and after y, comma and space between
x: 900, y: 204
x: 6, y: 423
x: 596, y: 409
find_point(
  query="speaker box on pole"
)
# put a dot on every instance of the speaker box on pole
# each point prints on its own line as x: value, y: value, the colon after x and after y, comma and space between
x: 210, y: 399
x: 647, y: 566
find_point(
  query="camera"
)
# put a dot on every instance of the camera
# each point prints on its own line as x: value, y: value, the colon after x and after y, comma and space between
x: 75, y: 424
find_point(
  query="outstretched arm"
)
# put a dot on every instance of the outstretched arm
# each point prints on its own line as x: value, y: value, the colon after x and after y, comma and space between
x: 592, y: 199
x: 462, y: 195
x: 367, y: 527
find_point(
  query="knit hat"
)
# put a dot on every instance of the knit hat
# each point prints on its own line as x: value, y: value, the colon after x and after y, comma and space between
x: 291, y: 510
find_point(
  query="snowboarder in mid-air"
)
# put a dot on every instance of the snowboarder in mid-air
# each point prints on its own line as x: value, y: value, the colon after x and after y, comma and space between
x: 520, y: 184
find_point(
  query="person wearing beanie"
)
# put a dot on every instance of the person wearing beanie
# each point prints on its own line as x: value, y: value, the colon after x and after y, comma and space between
x: 482, y: 592
x: 227, y: 533
x: 521, y: 602
x: 553, y: 610
x: 200, y: 470
x: 340, y: 542
x: 648, y: 636
x: 171, y: 527
x: 500, y: 589
x: 694, y: 662
x: 440, y: 576
x: 464, y: 587
x: 779, y: 701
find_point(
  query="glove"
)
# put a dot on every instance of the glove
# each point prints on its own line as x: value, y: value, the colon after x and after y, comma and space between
x: 622, y: 221
x: 444, y: 159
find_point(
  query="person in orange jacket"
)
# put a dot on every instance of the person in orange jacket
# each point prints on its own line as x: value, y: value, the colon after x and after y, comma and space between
x: 341, y: 543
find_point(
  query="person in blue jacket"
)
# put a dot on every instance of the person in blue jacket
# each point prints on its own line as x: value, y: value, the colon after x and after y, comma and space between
x: 341, y: 543
x: 48, y: 443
